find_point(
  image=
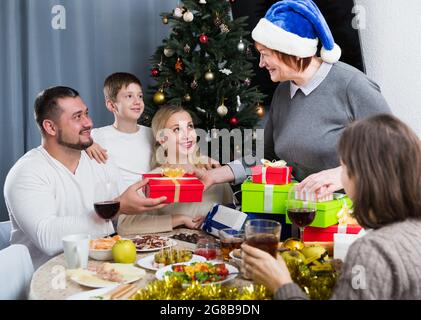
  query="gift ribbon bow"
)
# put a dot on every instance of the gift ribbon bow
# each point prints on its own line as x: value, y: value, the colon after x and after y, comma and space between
x: 273, y: 164
x: 174, y: 174
x: 344, y: 215
x: 276, y: 164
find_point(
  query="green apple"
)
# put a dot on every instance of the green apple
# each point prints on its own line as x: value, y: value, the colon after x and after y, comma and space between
x: 293, y: 256
x: 124, y: 251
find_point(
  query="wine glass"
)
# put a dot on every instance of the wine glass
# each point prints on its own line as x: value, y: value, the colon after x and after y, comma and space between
x: 106, y: 201
x: 301, y: 208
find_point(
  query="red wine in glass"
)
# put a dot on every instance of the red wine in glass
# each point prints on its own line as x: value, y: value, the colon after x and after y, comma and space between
x: 301, y: 217
x: 106, y: 203
x: 107, y: 209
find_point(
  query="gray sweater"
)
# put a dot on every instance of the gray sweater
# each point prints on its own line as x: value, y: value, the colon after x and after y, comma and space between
x: 384, y: 264
x: 305, y: 129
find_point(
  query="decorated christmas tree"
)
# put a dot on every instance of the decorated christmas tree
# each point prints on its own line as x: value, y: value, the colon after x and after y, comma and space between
x: 204, y: 65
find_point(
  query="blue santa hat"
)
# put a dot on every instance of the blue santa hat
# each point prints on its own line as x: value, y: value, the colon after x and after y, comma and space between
x: 294, y: 27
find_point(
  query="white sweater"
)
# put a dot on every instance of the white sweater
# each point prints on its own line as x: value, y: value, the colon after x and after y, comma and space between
x: 47, y: 202
x: 130, y: 152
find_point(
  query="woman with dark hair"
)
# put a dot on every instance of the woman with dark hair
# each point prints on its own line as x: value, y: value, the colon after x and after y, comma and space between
x: 381, y: 162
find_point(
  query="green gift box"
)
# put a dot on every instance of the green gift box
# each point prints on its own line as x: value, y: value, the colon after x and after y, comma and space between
x: 264, y: 198
x: 327, y: 212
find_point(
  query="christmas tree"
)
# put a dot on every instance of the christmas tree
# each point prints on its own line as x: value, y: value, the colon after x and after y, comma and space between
x: 204, y: 65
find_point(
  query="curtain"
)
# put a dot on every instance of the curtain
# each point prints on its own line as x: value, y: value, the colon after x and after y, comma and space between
x: 43, y: 45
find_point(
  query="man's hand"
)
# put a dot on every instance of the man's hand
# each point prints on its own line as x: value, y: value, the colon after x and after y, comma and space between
x: 323, y: 182
x: 133, y: 203
x: 208, y: 163
x: 205, y: 176
x: 218, y: 175
x: 265, y: 269
x: 95, y: 151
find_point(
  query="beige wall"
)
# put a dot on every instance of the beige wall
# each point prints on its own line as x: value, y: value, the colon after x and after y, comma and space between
x: 391, y: 42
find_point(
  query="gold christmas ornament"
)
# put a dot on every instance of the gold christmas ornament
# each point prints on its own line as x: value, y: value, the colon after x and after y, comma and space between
x: 222, y: 110
x: 293, y: 244
x: 164, y: 20
x: 209, y: 76
x: 188, y: 16
x: 168, y: 52
x: 187, y: 97
x: 159, y: 97
x: 260, y: 110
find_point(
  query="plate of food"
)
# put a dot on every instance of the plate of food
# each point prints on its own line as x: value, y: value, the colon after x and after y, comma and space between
x: 211, y: 272
x: 96, y: 294
x: 115, y: 292
x: 147, y: 243
x: 168, y: 256
x: 106, y: 274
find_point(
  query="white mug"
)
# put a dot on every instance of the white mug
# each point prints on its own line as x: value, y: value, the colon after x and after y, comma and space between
x: 76, y: 250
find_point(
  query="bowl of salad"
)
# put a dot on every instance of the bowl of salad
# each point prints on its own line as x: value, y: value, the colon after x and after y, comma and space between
x: 210, y: 272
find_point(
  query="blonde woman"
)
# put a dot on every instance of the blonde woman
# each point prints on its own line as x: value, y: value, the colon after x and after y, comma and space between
x: 176, y: 147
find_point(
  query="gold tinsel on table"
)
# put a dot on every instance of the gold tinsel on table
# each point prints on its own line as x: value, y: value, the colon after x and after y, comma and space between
x: 171, y: 288
x: 318, y: 285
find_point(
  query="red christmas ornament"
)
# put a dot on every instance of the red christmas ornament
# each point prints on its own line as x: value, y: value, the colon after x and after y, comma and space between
x: 203, y: 38
x: 234, y: 121
x: 155, y: 72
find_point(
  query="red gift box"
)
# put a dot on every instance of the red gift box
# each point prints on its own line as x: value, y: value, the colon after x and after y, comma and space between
x: 326, y: 234
x: 271, y: 175
x: 187, y: 188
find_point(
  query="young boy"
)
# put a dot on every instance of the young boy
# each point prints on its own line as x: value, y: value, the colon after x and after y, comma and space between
x: 128, y: 145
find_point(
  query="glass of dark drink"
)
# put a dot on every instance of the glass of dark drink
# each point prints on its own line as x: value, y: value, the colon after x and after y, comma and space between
x: 301, y: 208
x: 230, y: 239
x: 106, y: 203
x: 263, y: 234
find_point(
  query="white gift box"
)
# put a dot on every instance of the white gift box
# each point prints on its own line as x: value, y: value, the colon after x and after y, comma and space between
x: 342, y: 242
x: 220, y: 217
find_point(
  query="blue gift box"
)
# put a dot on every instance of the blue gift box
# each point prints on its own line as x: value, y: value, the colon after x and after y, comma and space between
x: 220, y: 217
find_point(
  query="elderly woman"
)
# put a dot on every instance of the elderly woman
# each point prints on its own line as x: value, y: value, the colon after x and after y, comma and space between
x: 315, y: 99
x: 386, y: 190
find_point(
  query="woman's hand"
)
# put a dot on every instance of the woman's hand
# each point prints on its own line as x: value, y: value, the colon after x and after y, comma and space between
x: 95, y: 151
x: 323, y: 182
x: 189, y: 222
x: 265, y: 269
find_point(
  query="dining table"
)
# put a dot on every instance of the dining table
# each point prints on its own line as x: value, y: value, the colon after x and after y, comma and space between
x: 50, y: 281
